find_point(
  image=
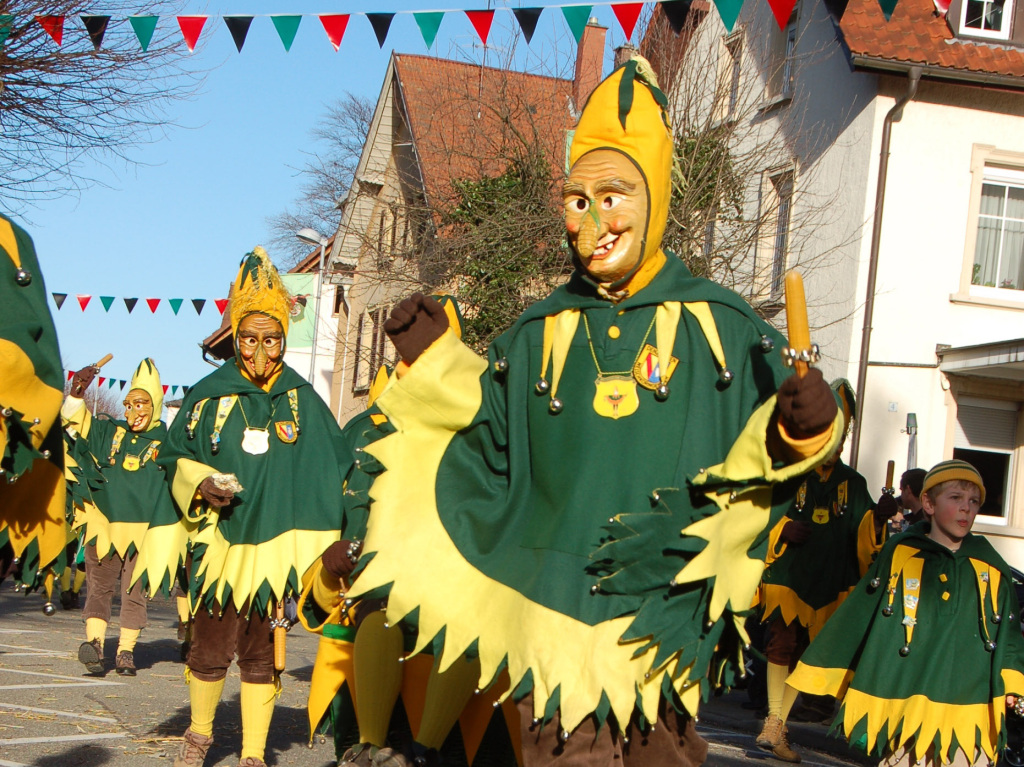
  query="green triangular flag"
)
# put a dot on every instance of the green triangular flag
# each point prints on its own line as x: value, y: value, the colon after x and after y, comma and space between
x: 175, y: 303
x: 107, y: 301
x: 729, y: 10
x: 110, y: 383
x: 428, y: 24
x: 144, y: 27
x: 887, y: 6
x: 577, y: 17
x: 6, y: 22
x: 286, y: 27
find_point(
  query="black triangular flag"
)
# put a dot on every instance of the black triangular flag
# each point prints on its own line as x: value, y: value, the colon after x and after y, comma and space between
x: 122, y: 384
x: 239, y: 28
x: 58, y: 298
x: 676, y: 13
x: 96, y: 26
x: 527, y: 18
x: 381, y: 24
x: 130, y: 303
x: 199, y: 303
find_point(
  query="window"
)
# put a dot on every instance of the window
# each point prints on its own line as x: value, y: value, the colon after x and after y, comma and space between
x: 727, y: 98
x: 986, y: 18
x: 999, y: 247
x: 339, y: 300
x: 782, y: 53
x: 373, y: 347
x: 774, y: 230
x: 985, y: 436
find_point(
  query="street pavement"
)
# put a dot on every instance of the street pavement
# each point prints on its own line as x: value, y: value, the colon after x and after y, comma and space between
x: 53, y: 714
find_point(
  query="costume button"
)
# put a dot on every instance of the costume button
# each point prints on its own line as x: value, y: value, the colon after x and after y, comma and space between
x: 943, y: 577
x: 613, y: 332
x: 945, y: 596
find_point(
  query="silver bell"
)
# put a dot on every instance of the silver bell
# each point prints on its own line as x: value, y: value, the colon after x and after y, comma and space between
x: 990, y: 645
x: 501, y: 365
x: 542, y: 386
x: 725, y: 376
x: 661, y: 393
x: 905, y: 650
x: 49, y: 609
x: 887, y: 611
x: 556, y: 405
x: 767, y: 344
x: 997, y: 618
x: 23, y: 277
x: 875, y: 582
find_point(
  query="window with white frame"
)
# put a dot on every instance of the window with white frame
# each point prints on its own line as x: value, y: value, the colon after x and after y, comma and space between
x: 782, y: 61
x: 999, y: 247
x: 986, y: 18
x: 727, y: 97
x: 774, y: 216
x: 986, y: 437
x: 373, y: 347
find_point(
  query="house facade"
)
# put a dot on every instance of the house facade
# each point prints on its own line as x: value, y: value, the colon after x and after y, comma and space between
x: 891, y: 173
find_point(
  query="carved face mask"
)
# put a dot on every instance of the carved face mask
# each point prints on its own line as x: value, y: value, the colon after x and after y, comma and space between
x: 260, y: 346
x: 606, y: 209
x: 138, y: 410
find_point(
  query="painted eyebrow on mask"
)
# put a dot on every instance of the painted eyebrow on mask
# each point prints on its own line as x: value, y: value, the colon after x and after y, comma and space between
x: 611, y: 185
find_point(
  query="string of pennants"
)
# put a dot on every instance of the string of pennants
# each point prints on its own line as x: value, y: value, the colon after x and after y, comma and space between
x: 336, y: 24
x: 107, y: 302
x: 110, y: 383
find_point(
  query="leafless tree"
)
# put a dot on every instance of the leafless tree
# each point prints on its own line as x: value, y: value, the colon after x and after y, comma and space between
x: 103, y: 399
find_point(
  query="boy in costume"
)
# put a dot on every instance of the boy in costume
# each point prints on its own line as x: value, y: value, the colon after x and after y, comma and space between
x: 119, y: 510
x: 927, y: 652
x: 816, y: 555
x: 32, y: 492
x: 633, y: 396
x: 256, y: 464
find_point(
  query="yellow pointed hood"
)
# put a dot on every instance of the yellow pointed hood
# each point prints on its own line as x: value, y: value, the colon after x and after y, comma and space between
x: 147, y: 378
x: 627, y: 113
x: 258, y: 288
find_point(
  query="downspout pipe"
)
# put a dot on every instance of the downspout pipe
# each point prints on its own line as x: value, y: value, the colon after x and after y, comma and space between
x: 894, y: 114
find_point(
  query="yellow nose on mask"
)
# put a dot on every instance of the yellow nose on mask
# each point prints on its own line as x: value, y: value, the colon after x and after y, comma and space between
x: 259, y: 361
x: 586, y: 240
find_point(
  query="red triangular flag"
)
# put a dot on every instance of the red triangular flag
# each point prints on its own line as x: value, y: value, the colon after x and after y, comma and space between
x: 102, y: 379
x: 191, y: 27
x: 83, y: 301
x: 481, y: 23
x: 54, y: 26
x: 165, y: 388
x: 942, y: 6
x: 222, y: 304
x: 782, y: 9
x: 334, y: 26
x: 627, y: 14
x: 153, y: 304
x: 71, y: 374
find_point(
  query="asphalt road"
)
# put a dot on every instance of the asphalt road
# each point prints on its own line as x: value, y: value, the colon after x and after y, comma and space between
x: 53, y: 714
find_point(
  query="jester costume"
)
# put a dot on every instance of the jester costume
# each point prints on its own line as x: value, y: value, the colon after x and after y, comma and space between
x: 924, y: 651
x: 33, y: 532
x: 587, y: 419
x: 115, y: 513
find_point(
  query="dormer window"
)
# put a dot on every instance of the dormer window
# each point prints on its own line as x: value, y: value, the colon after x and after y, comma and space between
x: 986, y: 18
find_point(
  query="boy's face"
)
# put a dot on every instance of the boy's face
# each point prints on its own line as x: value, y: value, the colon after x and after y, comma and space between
x: 952, y: 513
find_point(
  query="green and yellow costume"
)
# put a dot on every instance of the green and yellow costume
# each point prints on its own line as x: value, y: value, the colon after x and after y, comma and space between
x: 510, y: 472
x: 32, y: 490
x: 924, y: 650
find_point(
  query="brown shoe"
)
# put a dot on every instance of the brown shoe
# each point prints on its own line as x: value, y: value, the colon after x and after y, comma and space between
x: 360, y: 755
x: 193, y: 749
x: 252, y: 761
x: 783, y: 750
x: 124, y: 664
x: 771, y: 733
x: 91, y: 656
x: 388, y: 757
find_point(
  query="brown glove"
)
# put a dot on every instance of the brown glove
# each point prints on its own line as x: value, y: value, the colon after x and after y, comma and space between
x: 886, y: 508
x: 795, y: 532
x: 807, y: 405
x: 415, y: 323
x: 81, y: 379
x: 214, y: 496
x: 340, y: 558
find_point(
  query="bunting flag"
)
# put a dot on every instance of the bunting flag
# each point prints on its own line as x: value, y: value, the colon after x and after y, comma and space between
x: 54, y: 26
x: 381, y: 23
x: 222, y: 304
x: 165, y: 387
x: 174, y: 389
x: 481, y: 21
x: 887, y: 6
x: 527, y: 18
x: 130, y: 304
x: 110, y: 383
x: 191, y: 28
x: 83, y: 301
x: 6, y: 22
x: 782, y: 10
x: 96, y: 26
x: 238, y: 26
x: 577, y: 16
x: 429, y: 23
x: 199, y: 303
x: 628, y: 13
x: 676, y: 13
x: 175, y: 304
x: 144, y: 27
x: 728, y: 10
x: 107, y: 302
x: 153, y: 304
x: 334, y: 26
x: 71, y: 374
x: 58, y: 298
x: 122, y: 382
x: 102, y: 379
x: 286, y: 27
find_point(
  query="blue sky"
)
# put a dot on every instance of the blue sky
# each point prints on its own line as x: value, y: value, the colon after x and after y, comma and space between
x: 176, y: 224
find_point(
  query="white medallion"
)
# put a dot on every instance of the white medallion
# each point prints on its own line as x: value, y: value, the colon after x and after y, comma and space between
x: 255, y: 441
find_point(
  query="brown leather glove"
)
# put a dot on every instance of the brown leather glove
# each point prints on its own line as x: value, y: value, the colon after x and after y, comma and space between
x: 886, y: 508
x: 415, y: 323
x: 795, y: 532
x: 807, y: 405
x: 340, y: 558
x: 213, y: 495
x: 81, y: 379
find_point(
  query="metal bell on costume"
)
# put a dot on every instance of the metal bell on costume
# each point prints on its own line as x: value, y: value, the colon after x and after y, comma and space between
x: 875, y: 583
x: 542, y: 386
x: 661, y: 393
x: 49, y: 609
x: 990, y: 645
x: 905, y: 650
x: 23, y: 277
x: 887, y: 611
x: 725, y: 375
x: 767, y: 344
x: 556, y: 405
x: 501, y: 365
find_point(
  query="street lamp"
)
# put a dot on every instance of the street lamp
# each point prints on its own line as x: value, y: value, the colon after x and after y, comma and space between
x: 313, y: 237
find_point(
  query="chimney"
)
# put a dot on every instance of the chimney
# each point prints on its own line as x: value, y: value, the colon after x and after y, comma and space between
x: 624, y: 53
x: 589, y: 62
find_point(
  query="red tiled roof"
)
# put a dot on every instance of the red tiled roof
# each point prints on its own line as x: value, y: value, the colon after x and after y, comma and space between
x: 916, y: 34
x: 459, y: 115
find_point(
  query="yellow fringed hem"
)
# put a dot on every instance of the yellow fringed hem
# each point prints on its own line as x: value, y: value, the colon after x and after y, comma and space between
x: 107, y: 535
x: 791, y: 608
x: 162, y: 552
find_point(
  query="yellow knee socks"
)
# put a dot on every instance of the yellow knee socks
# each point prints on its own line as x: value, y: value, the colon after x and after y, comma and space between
x: 127, y: 640
x: 257, y: 710
x: 203, y: 697
x: 378, y: 677
x: 781, y: 697
x: 79, y: 580
x: 447, y: 694
x: 182, y: 604
x: 95, y: 628
x: 65, y: 579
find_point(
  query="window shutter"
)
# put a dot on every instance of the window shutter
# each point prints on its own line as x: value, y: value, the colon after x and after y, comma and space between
x: 986, y: 427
